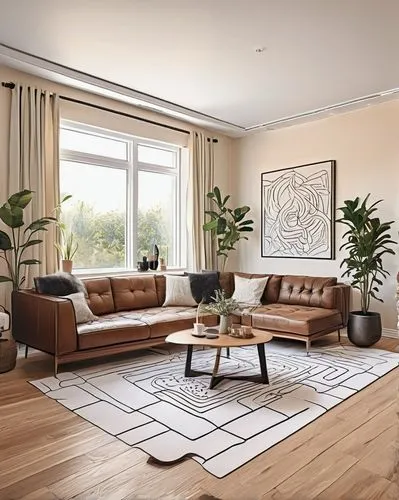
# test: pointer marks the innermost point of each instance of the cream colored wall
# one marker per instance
(365, 145)
(104, 119)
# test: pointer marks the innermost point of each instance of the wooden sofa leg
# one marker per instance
(308, 343)
(26, 351)
(339, 336)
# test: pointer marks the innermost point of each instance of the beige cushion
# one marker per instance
(82, 310)
(249, 291)
(178, 291)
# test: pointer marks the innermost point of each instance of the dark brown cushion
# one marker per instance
(226, 280)
(100, 295)
(307, 291)
(134, 292)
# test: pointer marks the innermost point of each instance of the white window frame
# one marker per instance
(132, 167)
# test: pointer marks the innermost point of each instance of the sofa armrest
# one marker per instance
(341, 298)
(44, 322)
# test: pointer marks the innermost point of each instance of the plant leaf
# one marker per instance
(12, 215)
(30, 262)
(209, 226)
(21, 199)
(31, 243)
(5, 242)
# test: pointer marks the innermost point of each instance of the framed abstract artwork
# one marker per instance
(298, 212)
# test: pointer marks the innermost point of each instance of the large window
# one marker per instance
(126, 197)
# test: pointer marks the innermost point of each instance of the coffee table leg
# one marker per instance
(187, 370)
(214, 378)
(262, 362)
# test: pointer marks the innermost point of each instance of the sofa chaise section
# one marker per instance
(307, 308)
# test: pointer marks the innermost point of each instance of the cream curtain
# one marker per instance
(34, 165)
(202, 247)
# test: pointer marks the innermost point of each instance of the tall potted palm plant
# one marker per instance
(367, 241)
(15, 241)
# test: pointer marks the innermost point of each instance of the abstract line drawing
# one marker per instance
(298, 206)
(148, 403)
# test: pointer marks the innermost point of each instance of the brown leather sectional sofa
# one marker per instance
(131, 316)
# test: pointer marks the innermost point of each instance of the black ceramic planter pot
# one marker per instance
(364, 330)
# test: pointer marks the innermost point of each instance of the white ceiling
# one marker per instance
(200, 54)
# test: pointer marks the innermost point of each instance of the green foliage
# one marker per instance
(153, 227)
(227, 225)
(368, 239)
(221, 305)
(14, 244)
(101, 238)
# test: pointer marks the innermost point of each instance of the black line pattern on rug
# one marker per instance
(149, 404)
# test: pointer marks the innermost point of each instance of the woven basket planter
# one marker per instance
(8, 355)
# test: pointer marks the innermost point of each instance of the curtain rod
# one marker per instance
(11, 85)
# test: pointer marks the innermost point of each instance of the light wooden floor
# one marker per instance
(47, 452)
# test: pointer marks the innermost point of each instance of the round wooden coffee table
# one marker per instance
(259, 339)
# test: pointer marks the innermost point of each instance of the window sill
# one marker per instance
(102, 273)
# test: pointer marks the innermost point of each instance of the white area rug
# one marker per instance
(149, 404)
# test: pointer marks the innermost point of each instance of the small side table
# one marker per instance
(8, 348)
(4, 320)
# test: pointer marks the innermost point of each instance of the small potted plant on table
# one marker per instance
(224, 307)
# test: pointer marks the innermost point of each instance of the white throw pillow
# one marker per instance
(178, 291)
(83, 313)
(249, 291)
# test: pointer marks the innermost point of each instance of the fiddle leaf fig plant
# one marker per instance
(228, 225)
(15, 242)
(368, 240)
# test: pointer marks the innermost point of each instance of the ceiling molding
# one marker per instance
(342, 107)
(58, 73)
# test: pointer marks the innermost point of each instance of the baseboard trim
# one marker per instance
(392, 333)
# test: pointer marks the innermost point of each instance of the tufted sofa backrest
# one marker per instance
(134, 292)
(108, 295)
(100, 297)
(307, 291)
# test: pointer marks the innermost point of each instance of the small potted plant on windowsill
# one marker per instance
(67, 247)
(67, 250)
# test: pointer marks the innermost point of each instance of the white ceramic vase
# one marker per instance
(223, 324)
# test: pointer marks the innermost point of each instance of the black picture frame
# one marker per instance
(298, 212)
